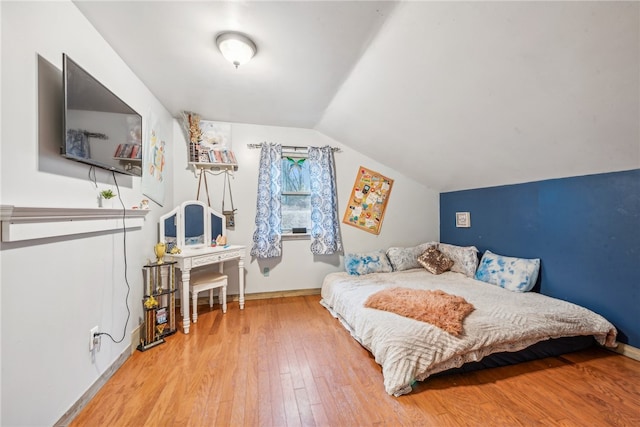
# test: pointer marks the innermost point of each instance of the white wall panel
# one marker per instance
(55, 290)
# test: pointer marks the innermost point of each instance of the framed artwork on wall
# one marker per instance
(154, 157)
(368, 201)
(215, 135)
(463, 219)
(209, 141)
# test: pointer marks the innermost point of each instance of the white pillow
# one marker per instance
(514, 274)
(406, 258)
(465, 258)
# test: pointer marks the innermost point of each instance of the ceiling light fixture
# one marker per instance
(236, 47)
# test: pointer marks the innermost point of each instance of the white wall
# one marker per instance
(0, 200)
(55, 290)
(412, 214)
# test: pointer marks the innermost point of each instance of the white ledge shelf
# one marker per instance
(216, 166)
(28, 223)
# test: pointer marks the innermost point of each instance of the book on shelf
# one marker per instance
(134, 151)
(126, 151)
(225, 156)
(232, 157)
(194, 151)
(204, 156)
(218, 156)
(118, 150)
(122, 152)
(212, 157)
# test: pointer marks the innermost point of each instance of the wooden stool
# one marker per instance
(208, 281)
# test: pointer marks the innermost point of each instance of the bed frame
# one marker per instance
(550, 348)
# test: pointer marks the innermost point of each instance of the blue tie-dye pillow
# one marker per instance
(365, 263)
(514, 274)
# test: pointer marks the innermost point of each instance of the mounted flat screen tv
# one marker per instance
(99, 128)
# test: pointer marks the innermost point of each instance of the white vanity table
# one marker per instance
(192, 227)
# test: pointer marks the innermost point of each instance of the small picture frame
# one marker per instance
(463, 219)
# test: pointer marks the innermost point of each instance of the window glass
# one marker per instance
(296, 196)
(295, 174)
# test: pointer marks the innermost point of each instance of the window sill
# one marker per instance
(296, 236)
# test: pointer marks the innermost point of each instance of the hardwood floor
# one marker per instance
(287, 362)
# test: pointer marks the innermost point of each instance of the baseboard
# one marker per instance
(75, 409)
(135, 338)
(278, 294)
(262, 295)
(627, 350)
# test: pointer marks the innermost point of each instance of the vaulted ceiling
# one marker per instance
(456, 95)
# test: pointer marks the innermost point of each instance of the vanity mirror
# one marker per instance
(192, 225)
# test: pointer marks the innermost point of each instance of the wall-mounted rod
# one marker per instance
(292, 147)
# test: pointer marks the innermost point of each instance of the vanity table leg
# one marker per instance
(241, 281)
(184, 301)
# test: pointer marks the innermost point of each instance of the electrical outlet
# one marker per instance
(93, 339)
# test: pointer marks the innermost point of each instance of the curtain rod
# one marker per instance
(292, 147)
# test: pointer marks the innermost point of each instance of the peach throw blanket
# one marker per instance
(439, 308)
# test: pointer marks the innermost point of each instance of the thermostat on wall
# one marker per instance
(463, 219)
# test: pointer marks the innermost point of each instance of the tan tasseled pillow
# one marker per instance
(434, 261)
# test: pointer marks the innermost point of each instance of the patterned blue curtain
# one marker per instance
(267, 239)
(325, 227)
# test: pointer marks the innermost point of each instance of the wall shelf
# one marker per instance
(128, 159)
(216, 166)
(27, 223)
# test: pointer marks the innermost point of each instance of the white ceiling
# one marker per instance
(305, 52)
(456, 95)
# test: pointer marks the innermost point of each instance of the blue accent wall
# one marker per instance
(585, 230)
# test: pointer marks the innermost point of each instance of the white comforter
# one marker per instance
(410, 350)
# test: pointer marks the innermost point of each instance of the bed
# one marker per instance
(410, 350)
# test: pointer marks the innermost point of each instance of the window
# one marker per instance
(285, 185)
(296, 192)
